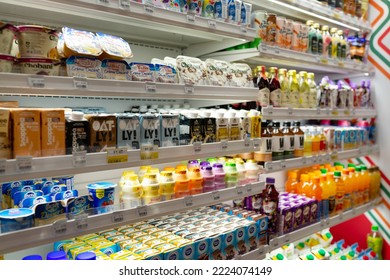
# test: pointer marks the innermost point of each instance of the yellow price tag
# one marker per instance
(347, 112)
(149, 151)
(117, 155)
(335, 113)
(324, 60)
(341, 63)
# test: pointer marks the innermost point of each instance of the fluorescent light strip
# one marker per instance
(302, 10)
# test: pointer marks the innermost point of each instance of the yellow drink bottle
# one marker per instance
(348, 189)
(331, 186)
(340, 187)
(292, 182)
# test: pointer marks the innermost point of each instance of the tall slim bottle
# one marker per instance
(293, 86)
(274, 87)
(304, 90)
(336, 46)
(263, 98)
(312, 46)
(299, 139)
(326, 42)
(270, 204)
(277, 142)
(284, 88)
(313, 95)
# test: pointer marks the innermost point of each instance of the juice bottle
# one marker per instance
(316, 192)
(284, 88)
(307, 146)
(374, 182)
(131, 191)
(348, 190)
(289, 139)
(299, 139)
(315, 142)
(343, 45)
(319, 38)
(293, 86)
(196, 180)
(304, 187)
(375, 241)
(208, 178)
(263, 98)
(355, 188)
(270, 205)
(255, 123)
(265, 152)
(277, 142)
(292, 182)
(304, 90)
(252, 171)
(312, 46)
(219, 176)
(331, 186)
(142, 171)
(192, 163)
(325, 193)
(274, 86)
(336, 45)
(241, 172)
(340, 191)
(366, 183)
(150, 189)
(181, 183)
(323, 141)
(167, 185)
(326, 42)
(231, 175)
(360, 184)
(313, 99)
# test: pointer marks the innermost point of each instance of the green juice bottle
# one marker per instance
(293, 86)
(284, 88)
(312, 46)
(304, 90)
(313, 99)
(375, 241)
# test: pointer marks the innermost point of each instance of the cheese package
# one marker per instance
(240, 75)
(113, 47)
(115, 70)
(79, 42)
(217, 72)
(86, 67)
(165, 74)
(191, 70)
(53, 132)
(26, 132)
(142, 72)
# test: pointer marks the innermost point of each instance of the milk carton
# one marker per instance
(103, 132)
(53, 132)
(170, 130)
(190, 128)
(128, 131)
(5, 134)
(77, 133)
(209, 127)
(150, 135)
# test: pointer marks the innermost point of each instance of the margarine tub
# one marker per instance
(39, 66)
(7, 34)
(103, 194)
(113, 47)
(37, 41)
(16, 218)
(78, 42)
(6, 63)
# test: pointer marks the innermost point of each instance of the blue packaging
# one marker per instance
(183, 6)
(195, 7)
(215, 244)
(59, 245)
(47, 212)
(232, 11)
(208, 8)
(78, 205)
(20, 196)
(228, 244)
(103, 194)
(53, 190)
(142, 72)
(66, 180)
(198, 250)
(65, 195)
(15, 219)
(30, 202)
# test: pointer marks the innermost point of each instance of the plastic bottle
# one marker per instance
(313, 99)
(289, 139)
(366, 183)
(315, 141)
(299, 139)
(196, 180)
(32, 258)
(86, 256)
(325, 194)
(313, 41)
(348, 202)
(375, 241)
(231, 175)
(241, 172)
(252, 171)
(316, 26)
(265, 152)
(270, 205)
(336, 45)
(131, 191)
(150, 189)
(323, 141)
(167, 185)
(181, 183)
(142, 171)
(293, 86)
(304, 187)
(274, 87)
(304, 90)
(307, 144)
(284, 88)
(340, 191)
(277, 142)
(316, 193)
(255, 123)
(343, 45)
(375, 178)
(219, 174)
(292, 182)
(331, 186)
(264, 88)
(326, 42)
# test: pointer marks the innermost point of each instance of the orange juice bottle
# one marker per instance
(181, 183)
(360, 184)
(340, 187)
(331, 186)
(316, 193)
(325, 194)
(196, 180)
(355, 189)
(366, 181)
(348, 189)
(292, 182)
(304, 187)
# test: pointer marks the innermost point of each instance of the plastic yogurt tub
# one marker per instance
(37, 41)
(16, 218)
(7, 34)
(6, 63)
(39, 66)
(103, 194)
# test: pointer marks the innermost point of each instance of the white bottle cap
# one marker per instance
(167, 106)
(77, 116)
(154, 106)
(176, 106)
(242, 114)
(193, 114)
(186, 106)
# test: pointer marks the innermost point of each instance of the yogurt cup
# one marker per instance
(39, 66)
(103, 194)
(37, 41)
(15, 219)
(6, 62)
(7, 34)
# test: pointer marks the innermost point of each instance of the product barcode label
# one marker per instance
(247, 142)
(125, 4)
(117, 155)
(191, 19)
(150, 87)
(23, 162)
(189, 89)
(286, 238)
(149, 151)
(256, 143)
(275, 242)
(79, 158)
(269, 166)
(318, 111)
(212, 24)
(283, 164)
(322, 223)
(188, 201)
(60, 226)
(215, 195)
(327, 222)
(36, 82)
(244, 30)
(341, 216)
(197, 146)
(249, 188)
(117, 217)
(224, 144)
(304, 160)
(261, 251)
(81, 222)
(80, 83)
(3, 165)
(142, 211)
(290, 111)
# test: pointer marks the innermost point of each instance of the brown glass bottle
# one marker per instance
(263, 84)
(277, 142)
(265, 152)
(299, 137)
(289, 139)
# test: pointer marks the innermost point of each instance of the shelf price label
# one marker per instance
(322, 223)
(334, 156)
(239, 191)
(23, 163)
(244, 30)
(150, 87)
(188, 201)
(197, 147)
(216, 195)
(341, 216)
(124, 4)
(36, 82)
(191, 19)
(283, 164)
(261, 251)
(60, 226)
(149, 10)
(142, 211)
(80, 83)
(103, 2)
(189, 89)
(212, 24)
(286, 238)
(269, 166)
(275, 242)
(149, 151)
(224, 144)
(247, 142)
(79, 158)
(117, 217)
(117, 155)
(256, 143)
(304, 160)
(81, 222)
(3, 165)
(290, 111)
(249, 188)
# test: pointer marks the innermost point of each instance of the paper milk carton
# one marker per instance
(103, 132)
(53, 132)
(170, 130)
(26, 132)
(150, 135)
(5, 134)
(128, 131)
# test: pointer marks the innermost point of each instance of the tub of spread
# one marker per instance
(6, 62)
(113, 47)
(7, 34)
(39, 66)
(103, 194)
(15, 219)
(37, 41)
(143, 72)
(79, 42)
(115, 70)
(81, 66)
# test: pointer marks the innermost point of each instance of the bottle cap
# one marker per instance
(270, 180)
(279, 257)
(351, 254)
(365, 258)
(32, 258)
(343, 258)
(309, 257)
(322, 252)
(351, 165)
(374, 228)
(286, 124)
(276, 124)
(86, 256)
(337, 173)
(77, 116)
(323, 171)
(56, 256)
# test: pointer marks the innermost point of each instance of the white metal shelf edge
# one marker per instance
(306, 231)
(13, 241)
(63, 165)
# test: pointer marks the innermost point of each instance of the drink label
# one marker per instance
(266, 145)
(263, 97)
(276, 97)
(313, 97)
(289, 144)
(299, 141)
(278, 144)
(294, 95)
(305, 99)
